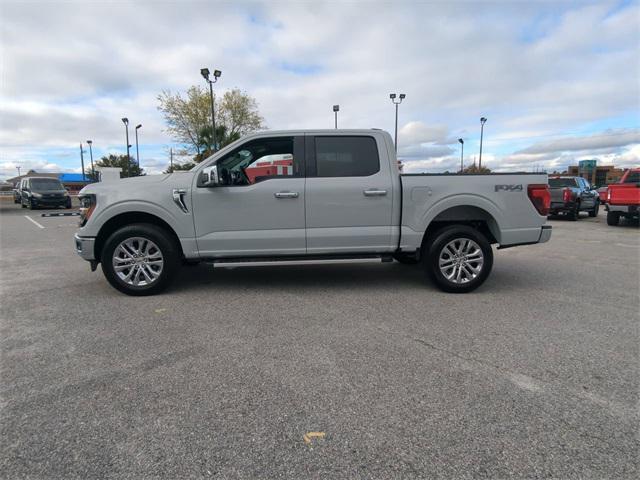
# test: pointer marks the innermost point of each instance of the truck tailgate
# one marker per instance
(624, 194)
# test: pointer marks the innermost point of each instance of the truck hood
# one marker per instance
(181, 179)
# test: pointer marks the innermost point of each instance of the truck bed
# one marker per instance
(501, 198)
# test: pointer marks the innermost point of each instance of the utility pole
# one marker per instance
(125, 120)
(171, 158)
(461, 154)
(216, 75)
(82, 161)
(18, 167)
(93, 170)
(336, 109)
(482, 121)
(401, 97)
(137, 151)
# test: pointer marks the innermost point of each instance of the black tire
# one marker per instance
(167, 246)
(405, 259)
(68, 205)
(22, 205)
(432, 251)
(574, 214)
(31, 205)
(594, 211)
(613, 218)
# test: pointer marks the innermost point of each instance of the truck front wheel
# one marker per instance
(459, 259)
(140, 259)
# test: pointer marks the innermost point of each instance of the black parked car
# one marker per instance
(43, 192)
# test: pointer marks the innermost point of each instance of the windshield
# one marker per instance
(46, 184)
(633, 177)
(562, 182)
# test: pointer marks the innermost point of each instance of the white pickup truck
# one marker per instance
(322, 194)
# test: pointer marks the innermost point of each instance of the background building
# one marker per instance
(71, 181)
(598, 175)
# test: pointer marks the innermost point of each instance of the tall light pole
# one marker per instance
(482, 122)
(461, 154)
(336, 109)
(18, 167)
(401, 97)
(137, 151)
(93, 170)
(82, 161)
(216, 75)
(125, 120)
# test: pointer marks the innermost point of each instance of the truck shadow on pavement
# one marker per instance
(333, 278)
(319, 277)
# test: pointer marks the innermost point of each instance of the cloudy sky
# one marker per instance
(558, 81)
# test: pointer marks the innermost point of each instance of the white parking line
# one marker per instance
(33, 221)
(625, 245)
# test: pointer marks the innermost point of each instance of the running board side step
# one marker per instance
(299, 258)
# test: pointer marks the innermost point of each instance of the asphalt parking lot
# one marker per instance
(536, 374)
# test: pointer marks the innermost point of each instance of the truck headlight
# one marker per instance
(36, 195)
(87, 206)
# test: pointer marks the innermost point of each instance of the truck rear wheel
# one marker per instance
(574, 213)
(459, 259)
(594, 212)
(140, 259)
(613, 218)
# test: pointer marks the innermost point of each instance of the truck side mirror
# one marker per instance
(209, 177)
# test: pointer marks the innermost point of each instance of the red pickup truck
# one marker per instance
(624, 197)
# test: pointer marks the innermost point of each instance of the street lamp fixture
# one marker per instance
(216, 75)
(461, 154)
(93, 170)
(482, 122)
(125, 120)
(336, 109)
(396, 100)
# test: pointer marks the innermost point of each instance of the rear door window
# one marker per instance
(562, 182)
(344, 156)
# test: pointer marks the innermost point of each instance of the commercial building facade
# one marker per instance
(597, 175)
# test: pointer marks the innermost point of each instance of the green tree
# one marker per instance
(177, 167)
(475, 169)
(120, 161)
(188, 118)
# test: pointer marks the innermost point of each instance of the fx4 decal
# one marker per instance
(508, 188)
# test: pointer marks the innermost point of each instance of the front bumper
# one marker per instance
(85, 246)
(49, 202)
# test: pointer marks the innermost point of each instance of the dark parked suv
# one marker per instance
(43, 192)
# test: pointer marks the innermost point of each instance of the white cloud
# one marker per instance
(598, 141)
(72, 70)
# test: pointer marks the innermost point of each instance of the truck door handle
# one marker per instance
(374, 193)
(286, 194)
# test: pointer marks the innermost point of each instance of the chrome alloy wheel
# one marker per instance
(461, 260)
(137, 261)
